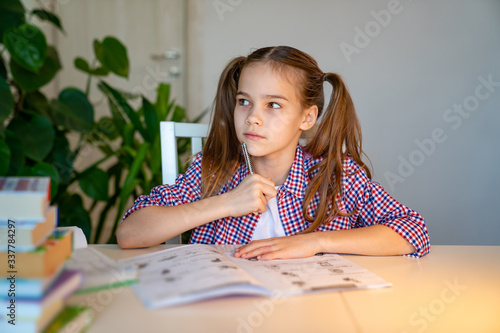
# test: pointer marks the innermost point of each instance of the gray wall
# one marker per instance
(419, 82)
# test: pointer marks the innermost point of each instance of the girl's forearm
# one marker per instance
(154, 225)
(371, 240)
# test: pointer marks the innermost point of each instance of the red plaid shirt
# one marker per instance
(372, 203)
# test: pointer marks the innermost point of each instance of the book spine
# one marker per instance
(24, 197)
(41, 262)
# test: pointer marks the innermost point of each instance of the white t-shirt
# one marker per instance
(269, 224)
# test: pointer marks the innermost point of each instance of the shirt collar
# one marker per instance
(296, 181)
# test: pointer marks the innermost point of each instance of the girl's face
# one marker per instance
(268, 115)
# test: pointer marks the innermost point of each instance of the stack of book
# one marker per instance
(33, 280)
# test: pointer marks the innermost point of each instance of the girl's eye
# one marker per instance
(243, 102)
(274, 105)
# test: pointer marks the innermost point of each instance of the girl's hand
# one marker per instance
(288, 247)
(251, 195)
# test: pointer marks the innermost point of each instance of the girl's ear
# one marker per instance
(310, 117)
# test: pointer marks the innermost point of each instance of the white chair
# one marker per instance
(169, 132)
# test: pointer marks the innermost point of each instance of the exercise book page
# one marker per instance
(320, 272)
(187, 273)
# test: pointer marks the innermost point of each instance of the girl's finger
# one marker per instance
(269, 191)
(255, 249)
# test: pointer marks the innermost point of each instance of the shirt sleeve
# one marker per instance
(187, 188)
(376, 206)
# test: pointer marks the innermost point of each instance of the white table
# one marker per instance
(453, 289)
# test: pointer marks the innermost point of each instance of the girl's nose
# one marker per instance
(254, 117)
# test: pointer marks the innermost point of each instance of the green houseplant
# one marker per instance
(35, 131)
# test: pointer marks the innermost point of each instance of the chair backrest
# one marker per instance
(169, 132)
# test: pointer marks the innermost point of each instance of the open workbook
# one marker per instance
(197, 272)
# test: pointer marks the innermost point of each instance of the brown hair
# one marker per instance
(338, 134)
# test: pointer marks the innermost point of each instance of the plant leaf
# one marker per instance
(72, 213)
(47, 170)
(106, 125)
(106, 150)
(162, 99)
(48, 16)
(79, 218)
(4, 157)
(169, 109)
(118, 117)
(104, 213)
(155, 161)
(128, 185)
(121, 103)
(61, 157)
(81, 64)
(112, 54)
(131, 181)
(94, 183)
(151, 119)
(14, 6)
(36, 135)
(84, 66)
(128, 136)
(100, 71)
(179, 114)
(11, 15)
(27, 46)
(37, 101)
(73, 110)
(17, 156)
(6, 100)
(29, 81)
(3, 69)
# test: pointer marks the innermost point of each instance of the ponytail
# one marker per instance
(338, 136)
(221, 153)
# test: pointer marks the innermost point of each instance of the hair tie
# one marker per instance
(324, 76)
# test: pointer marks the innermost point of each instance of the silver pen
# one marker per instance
(250, 169)
(247, 157)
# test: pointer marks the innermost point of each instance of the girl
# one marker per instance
(300, 200)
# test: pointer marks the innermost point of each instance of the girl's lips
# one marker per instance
(253, 136)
